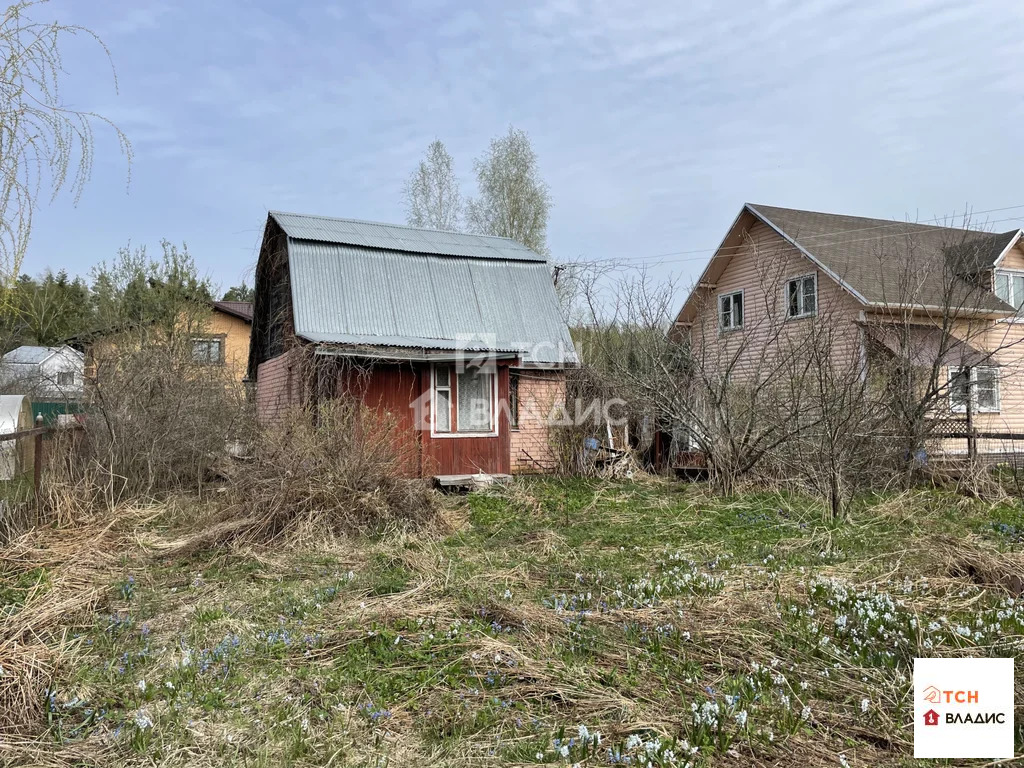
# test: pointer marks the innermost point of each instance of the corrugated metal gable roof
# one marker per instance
(393, 237)
(348, 294)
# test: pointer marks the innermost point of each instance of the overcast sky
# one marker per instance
(652, 126)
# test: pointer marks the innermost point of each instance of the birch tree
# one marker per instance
(432, 197)
(513, 200)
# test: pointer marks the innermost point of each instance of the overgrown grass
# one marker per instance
(555, 622)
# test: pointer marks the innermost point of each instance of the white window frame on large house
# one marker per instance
(733, 325)
(454, 423)
(801, 296)
(1014, 295)
(977, 407)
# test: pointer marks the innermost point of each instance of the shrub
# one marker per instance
(338, 469)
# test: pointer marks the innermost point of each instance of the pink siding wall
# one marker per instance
(761, 267)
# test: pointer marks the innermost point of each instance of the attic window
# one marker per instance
(730, 311)
(802, 296)
(1010, 287)
(65, 378)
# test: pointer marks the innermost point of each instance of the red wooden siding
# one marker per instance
(396, 390)
(464, 455)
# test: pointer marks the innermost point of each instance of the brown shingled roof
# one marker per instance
(240, 309)
(870, 256)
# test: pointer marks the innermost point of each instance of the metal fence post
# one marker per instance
(37, 463)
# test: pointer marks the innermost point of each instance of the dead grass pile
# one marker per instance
(340, 470)
(50, 583)
(968, 559)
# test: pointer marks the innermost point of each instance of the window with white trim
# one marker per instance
(464, 401)
(1010, 287)
(984, 388)
(442, 398)
(802, 296)
(730, 311)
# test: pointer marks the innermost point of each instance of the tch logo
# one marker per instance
(933, 695)
(963, 708)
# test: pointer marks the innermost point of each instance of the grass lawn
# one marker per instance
(555, 622)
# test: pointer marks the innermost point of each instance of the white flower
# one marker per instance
(508, 594)
(141, 685)
(564, 750)
(805, 713)
(741, 718)
(633, 742)
(864, 705)
(584, 734)
(539, 756)
(142, 719)
(169, 685)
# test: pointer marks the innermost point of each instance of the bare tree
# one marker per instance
(513, 200)
(432, 197)
(44, 143)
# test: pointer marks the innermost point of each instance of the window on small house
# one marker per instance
(470, 408)
(730, 311)
(802, 296)
(442, 399)
(473, 389)
(1010, 287)
(65, 378)
(513, 399)
(981, 383)
(208, 351)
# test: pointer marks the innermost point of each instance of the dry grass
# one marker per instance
(450, 628)
(345, 474)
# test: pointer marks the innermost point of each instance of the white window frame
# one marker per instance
(496, 427)
(732, 310)
(953, 370)
(800, 296)
(1017, 302)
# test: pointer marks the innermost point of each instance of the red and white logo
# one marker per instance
(972, 699)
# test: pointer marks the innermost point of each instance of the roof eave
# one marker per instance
(990, 312)
(1013, 241)
(701, 281)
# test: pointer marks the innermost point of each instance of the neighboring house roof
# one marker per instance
(926, 346)
(239, 309)
(880, 262)
(870, 256)
(358, 283)
(28, 355)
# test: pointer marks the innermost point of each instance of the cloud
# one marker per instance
(652, 126)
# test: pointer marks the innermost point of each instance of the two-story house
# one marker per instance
(920, 295)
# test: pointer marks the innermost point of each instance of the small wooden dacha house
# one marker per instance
(458, 337)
